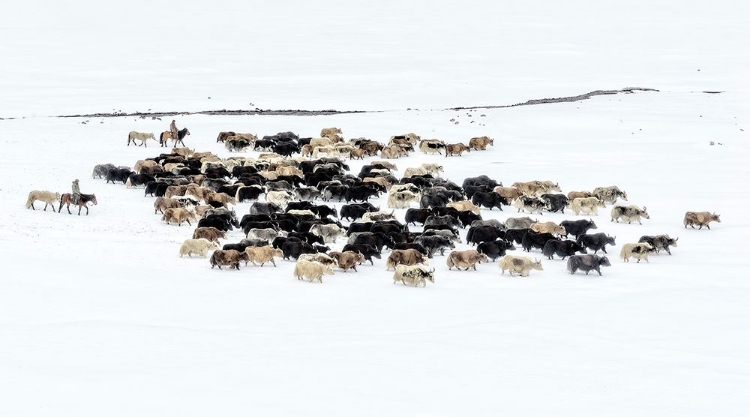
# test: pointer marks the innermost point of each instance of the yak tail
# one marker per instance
(30, 200)
(449, 262)
(128, 184)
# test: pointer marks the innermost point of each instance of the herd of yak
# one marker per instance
(294, 183)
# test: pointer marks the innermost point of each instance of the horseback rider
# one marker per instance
(76, 191)
(173, 129)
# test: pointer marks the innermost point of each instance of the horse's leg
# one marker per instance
(67, 206)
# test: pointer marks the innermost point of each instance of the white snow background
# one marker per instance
(99, 316)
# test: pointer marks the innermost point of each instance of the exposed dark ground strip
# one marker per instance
(629, 90)
(260, 112)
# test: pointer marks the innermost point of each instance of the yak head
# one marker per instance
(715, 217)
(537, 264)
(604, 261)
(644, 213)
(431, 275)
(482, 258)
(577, 247)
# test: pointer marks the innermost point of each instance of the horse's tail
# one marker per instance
(30, 200)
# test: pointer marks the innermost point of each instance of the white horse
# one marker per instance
(48, 197)
(143, 137)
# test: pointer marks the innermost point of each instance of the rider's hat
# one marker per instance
(76, 180)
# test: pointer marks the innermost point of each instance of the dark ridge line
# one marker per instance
(629, 90)
(260, 112)
(223, 112)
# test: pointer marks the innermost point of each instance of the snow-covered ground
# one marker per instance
(100, 316)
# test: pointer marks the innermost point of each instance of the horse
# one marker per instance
(165, 136)
(83, 201)
(133, 136)
(48, 197)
